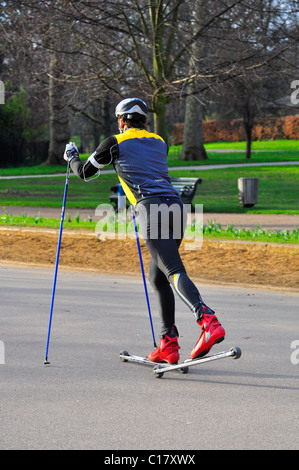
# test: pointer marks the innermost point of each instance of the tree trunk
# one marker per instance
(193, 148)
(248, 130)
(248, 120)
(159, 104)
(59, 118)
(159, 100)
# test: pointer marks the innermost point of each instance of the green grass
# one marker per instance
(41, 169)
(33, 170)
(211, 230)
(257, 234)
(218, 158)
(42, 222)
(214, 158)
(257, 145)
(234, 152)
(265, 151)
(278, 190)
(48, 192)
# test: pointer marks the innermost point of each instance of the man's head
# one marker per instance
(131, 112)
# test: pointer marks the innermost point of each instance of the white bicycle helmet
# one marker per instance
(131, 106)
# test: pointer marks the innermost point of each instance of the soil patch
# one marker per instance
(261, 264)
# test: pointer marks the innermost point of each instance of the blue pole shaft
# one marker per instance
(143, 275)
(57, 258)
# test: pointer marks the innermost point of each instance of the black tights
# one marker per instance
(163, 233)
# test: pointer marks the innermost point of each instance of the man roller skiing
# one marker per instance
(140, 161)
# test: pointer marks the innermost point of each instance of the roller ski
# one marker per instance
(165, 358)
(144, 361)
(126, 357)
(160, 369)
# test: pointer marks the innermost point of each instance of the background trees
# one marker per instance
(187, 59)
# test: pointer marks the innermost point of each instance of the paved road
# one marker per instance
(88, 399)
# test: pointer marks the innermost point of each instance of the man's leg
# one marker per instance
(166, 257)
(164, 295)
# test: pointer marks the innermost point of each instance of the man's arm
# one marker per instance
(105, 154)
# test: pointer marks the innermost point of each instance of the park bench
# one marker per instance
(186, 188)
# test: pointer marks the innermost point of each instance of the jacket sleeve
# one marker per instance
(105, 154)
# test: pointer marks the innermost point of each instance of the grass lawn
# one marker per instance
(278, 186)
(48, 192)
(257, 145)
(210, 230)
(278, 190)
(270, 151)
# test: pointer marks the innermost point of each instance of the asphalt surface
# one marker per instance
(88, 399)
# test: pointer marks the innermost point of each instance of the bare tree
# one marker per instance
(109, 49)
(268, 56)
(59, 114)
(156, 41)
(145, 46)
(193, 142)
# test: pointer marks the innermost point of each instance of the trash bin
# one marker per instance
(248, 191)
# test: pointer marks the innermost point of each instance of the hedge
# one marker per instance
(233, 131)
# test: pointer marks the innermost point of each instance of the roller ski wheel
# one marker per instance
(237, 353)
(122, 355)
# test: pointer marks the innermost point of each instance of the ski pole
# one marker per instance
(143, 275)
(57, 260)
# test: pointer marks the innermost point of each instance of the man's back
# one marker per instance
(142, 164)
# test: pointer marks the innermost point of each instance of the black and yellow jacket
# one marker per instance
(139, 159)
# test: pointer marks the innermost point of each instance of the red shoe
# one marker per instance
(168, 349)
(211, 333)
